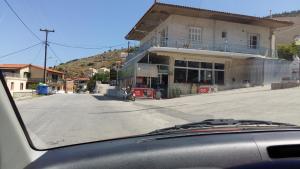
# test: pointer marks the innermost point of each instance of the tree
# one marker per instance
(288, 51)
(103, 77)
(91, 85)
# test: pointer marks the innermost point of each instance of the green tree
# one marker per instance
(288, 51)
(91, 85)
(103, 77)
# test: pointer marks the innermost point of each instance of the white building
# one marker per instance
(183, 47)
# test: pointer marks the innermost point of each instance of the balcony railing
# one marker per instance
(49, 80)
(9, 74)
(220, 47)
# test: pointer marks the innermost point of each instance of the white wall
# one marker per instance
(17, 83)
(178, 28)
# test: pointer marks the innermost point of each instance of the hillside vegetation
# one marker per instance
(80, 67)
(287, 14)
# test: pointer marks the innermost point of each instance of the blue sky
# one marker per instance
(95, 23)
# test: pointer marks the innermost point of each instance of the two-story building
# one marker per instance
(20, 77)
(184, 48)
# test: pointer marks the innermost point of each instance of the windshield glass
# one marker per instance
(92, 71)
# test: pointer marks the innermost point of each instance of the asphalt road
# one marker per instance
(59, 120)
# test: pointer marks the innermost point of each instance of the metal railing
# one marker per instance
(205, 45)
(9, 74)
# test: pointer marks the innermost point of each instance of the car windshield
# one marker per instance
(82, 72)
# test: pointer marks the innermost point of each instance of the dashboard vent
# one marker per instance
(286, 151)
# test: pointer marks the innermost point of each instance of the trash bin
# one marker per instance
(158, 94)
(42, 89)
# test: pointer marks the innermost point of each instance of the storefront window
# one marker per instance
(219, 77)
(180, 75)
(193, 76)
(205, 65)
(206, 77)
(204, 73)
(180, 63)
(219, 66)
(193, 64)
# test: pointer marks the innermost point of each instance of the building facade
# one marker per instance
(183, 48)
(21, 77)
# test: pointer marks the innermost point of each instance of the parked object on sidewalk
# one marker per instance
(158, 94)
(204, 90)
(144, 93)
(42, 89)
(128, 94)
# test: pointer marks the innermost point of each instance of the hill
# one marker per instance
(286, 35)
(287, 14)
(80, 67)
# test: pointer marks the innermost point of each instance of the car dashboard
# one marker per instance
(207, 151)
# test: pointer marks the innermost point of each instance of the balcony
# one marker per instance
(209, 46)
(9, 74)
(49, 80)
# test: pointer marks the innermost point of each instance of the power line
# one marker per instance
(37, 55)
(83, 47)
(53, 52)
(19, 51)
(15, 13)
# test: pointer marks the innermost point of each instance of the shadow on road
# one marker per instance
(146, 108)
(106, 98)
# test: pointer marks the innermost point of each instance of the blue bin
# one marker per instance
(42, 89)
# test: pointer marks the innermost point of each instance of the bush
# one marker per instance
(288, 51)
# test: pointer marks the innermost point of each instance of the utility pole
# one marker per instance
(46, 45)
(128, 47)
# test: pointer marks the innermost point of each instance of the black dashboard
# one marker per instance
(208, 151)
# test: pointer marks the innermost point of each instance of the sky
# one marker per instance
(100, 24)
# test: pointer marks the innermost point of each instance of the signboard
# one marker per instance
(143, 93)
(147, 70)
(203, 90)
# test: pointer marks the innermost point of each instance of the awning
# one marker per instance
(147, 70)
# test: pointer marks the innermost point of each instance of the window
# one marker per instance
(193, 76)
(164, 38)
(219, 77)
(180, 63)
(206, 65)
(206, 77)
(195, 34)
(27, 75)
(21, 86)
(253, 41)
(224, 35)
(12, 86)
(180, 75)
(219, 66)
(193, 64)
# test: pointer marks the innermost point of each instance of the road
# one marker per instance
(59, 120)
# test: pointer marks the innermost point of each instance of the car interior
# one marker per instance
(259, 149)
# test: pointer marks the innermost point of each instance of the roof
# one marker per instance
(81, 79)
(160, 12)
(48, 69)
(20, 66)
(13, 66)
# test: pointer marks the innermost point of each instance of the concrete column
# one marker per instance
(171, 74)
(273, 45)
(214, 33)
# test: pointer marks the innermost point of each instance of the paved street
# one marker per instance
(69, 119)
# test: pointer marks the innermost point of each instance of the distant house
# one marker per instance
(70, 86)
(20, 77)
(92, 72)
(80, 83)
(290, 34)
(16, 76)
(104, 70)
(183, 47)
